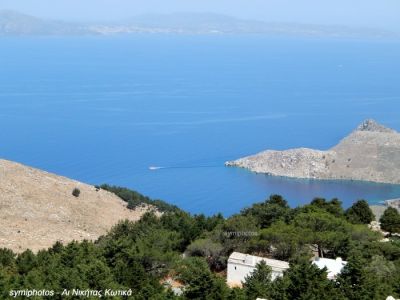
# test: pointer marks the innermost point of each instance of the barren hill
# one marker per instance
(37, 209)
(369, 153)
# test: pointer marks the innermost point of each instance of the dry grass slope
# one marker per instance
(37, 209)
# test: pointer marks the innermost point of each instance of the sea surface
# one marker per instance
(103, 110)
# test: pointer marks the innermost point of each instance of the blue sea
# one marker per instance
(102, 110)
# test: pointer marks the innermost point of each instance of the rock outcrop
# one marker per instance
(369, 153)
(37, 209)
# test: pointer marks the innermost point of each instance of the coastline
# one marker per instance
(312, 179)
(370, 153)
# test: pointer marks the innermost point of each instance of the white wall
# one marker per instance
(237, 273)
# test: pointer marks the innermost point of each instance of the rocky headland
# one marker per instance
(369, 153)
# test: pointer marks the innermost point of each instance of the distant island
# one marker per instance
(18, 24)
(369, 153)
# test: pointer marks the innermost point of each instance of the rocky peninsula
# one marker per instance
(370, 153)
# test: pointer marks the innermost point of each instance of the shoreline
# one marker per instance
(369, 153)
(231, 164)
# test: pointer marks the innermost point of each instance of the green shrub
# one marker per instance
(76, 192)
(132, 204)
(360, 213)
(390, 220)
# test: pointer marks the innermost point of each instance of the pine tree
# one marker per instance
(308, 282)
(360, 213)
(390, 220)
(258, 283)
(3, 284)
(361, 281)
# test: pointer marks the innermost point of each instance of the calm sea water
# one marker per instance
(102, 110)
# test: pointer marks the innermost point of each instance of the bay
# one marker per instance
(105, 109)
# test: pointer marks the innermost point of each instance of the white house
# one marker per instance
(242, 265)
(334, 266)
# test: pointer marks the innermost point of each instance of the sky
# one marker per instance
(355, 13)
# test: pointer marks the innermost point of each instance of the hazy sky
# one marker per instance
(365, 13)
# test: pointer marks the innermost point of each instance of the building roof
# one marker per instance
(333, 266)
(252, 261)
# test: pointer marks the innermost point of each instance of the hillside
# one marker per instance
(369, 153)
(37, 209)
(18, 24)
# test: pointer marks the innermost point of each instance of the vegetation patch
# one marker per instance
(193, 250)
(135, 199)
(76, 192)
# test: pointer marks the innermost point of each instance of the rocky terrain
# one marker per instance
(37, 209)
(378, 210)
(369, 153)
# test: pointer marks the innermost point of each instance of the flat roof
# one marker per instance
(251, 260)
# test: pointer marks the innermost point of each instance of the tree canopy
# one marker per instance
(360, 213)
(390, 220)
(193, 251)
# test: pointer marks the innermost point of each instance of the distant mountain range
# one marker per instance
(14, 23)
(18, 24)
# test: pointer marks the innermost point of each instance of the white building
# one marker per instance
(334, 266)
(242, 265)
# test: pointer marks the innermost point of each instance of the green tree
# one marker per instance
(360, 213)
(137, 198)
(200, 282)
(358, 280)
(272, 210)
(390, 220)
(381, 268)
(237, 294)
(258, 283)
(7, 258)
(334, 206)
(208, 223)
(183, 223)
(26, 261)
(4, 284)
(282, 241)
(329, 233)
(235, 233)
(210, 250)
(306, 281)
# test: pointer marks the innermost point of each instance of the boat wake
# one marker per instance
(154, 168)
